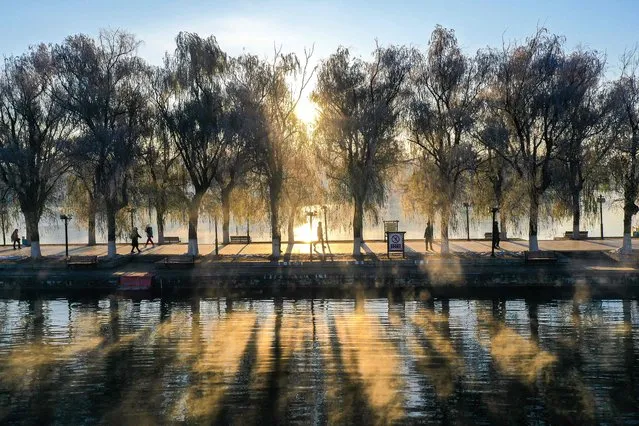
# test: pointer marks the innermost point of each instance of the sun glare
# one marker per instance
(306, 110)
(302, 233)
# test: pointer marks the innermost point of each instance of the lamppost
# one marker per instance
(311, 215)
(494, 210)
(467, 222)
(3, 214)
(601, 200)
(132, 211)
(324, 208)
(66, 219)
(216, 249)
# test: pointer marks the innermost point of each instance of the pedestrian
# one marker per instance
(149, 236)
(320, 237)
(428, 236)
(496, 234)
(15, 238)
(134, 240)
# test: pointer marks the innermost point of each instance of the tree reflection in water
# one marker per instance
(338, 361)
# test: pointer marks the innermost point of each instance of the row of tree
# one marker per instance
(86, 119)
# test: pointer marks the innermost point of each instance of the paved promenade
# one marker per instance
(341, 248)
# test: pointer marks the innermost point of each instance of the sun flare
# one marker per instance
(306, 111)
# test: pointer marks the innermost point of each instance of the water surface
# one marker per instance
(337, 361)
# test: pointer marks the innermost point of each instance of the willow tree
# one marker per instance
(357, 130)
(533, 91)
(193, 103)
(272, 91)
(33, 132)
(624, 165)
(101, 84)
(446, 87)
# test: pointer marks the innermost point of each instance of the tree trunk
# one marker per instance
(291, 227)
(443, 232)
(32, 220)
(111, 247)
(576, 214)
(159, 217)
(533, 220)
(4, 229)
(226, 214)
(194, 215)
(358, 227)
(503, 220)
(276, 236)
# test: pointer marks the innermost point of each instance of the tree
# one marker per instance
(446, 87)
(193, 103)
(357, 131)
(271, 93)
(624, 165)
(585, 145)
(102, 86)
(33, 134)
(533, 92)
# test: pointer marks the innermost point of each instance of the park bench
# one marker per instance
(240, 239)
(540, 256)
(390, 226)
(171, 240)
(91, 261)
(583, 235)
(184, 260)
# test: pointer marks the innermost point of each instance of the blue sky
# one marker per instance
(608, 26)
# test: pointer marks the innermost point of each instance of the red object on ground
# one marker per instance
(136, 281)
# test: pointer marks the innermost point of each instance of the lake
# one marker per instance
(318, 361)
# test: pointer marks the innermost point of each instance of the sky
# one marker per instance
(256, 27)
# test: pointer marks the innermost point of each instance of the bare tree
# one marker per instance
(273, 90)
(33, 132)
(101, 85)
(194, 105)
(446, 88)
(357, 131)
(624, 164)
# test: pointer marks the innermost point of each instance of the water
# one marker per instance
(337, 361)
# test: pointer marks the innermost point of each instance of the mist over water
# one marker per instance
(337, 361)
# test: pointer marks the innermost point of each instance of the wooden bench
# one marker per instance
(171, 240)
(390, 226)
(91, 261)
(503, 236)
(240, 239)
(540, 256)
(184, 260)
(583, 235)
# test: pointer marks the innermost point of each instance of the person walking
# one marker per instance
(320, 238)
(135, 236)
(15, 238)
(149, 236)
(496, 235)
(428, 236)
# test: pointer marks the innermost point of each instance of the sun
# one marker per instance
(303, 233)
(306, 111)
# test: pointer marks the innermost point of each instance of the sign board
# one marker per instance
(395, 242)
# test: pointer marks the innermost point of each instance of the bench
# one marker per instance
(540, 256)
(390, 226)
(503, 236)
(91, 261)
(240, 239)
(171, 240)
(583, 235)
(184, 260)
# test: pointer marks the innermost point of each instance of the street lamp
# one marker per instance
(467, 222)
(494, 210)
(311, 215)
(325, 224)
(66, 219)
(601, 200)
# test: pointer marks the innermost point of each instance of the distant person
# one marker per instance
(149, 236)
(320, 237)
(428, 236)
(135, 236)
(496, 235)
(15, 238)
